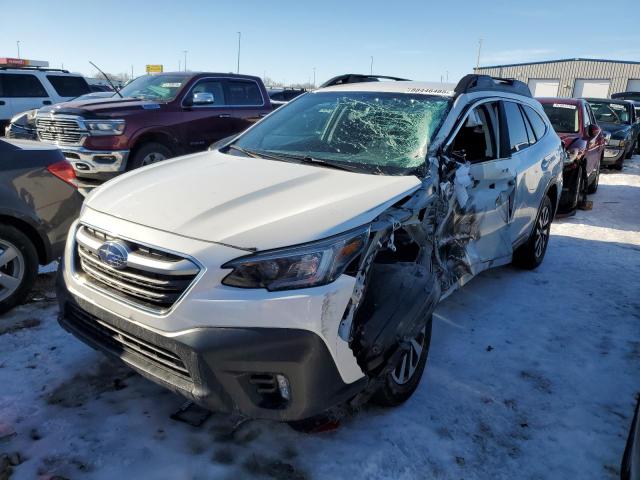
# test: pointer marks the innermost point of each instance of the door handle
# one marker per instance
(2, 102)
(224, 115)
(46, 102)
(546, 160)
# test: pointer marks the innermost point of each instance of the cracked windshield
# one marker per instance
(385, 133)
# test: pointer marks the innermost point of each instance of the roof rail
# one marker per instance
(358, 78)
(39, 69)
(476, 83)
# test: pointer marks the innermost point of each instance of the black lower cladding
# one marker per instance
(569, 185)
(223, 369)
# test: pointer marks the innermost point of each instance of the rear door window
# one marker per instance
(20, 85)
(243, 93)
(537, 123)
(518, 137)
(68, 86)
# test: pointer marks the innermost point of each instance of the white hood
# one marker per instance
(246, 202)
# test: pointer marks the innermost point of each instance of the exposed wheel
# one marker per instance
(531, 254)
(148, 154)
(403, 380)
(593, 187)
(18, 266)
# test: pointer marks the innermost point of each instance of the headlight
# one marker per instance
(572, 154)
(30, 115)
(302, 266)
(616, 143)
(105, 127)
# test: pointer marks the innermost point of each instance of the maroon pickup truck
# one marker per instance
(152, 118)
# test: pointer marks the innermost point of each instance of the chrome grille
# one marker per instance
(66, 131)
(151, 279)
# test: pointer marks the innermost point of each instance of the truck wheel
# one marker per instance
(593, 188)
(149, 153)
(403, 380)
(531, 254)
(18, 267)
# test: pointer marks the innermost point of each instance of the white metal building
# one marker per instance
(574, 77)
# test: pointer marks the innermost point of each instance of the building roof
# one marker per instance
(559, 61)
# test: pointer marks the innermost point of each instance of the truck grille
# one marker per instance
(119, 339)
(149, 278)
(64, 131)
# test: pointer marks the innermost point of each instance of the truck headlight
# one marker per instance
(105, 127)
(302, 266)
(616, 143)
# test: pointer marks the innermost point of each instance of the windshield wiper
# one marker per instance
(314, 161)
(248, 153)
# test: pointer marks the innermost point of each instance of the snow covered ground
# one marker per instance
(531, 375)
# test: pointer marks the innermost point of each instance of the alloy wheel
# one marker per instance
(12, 269)
(543, 229)
(153, 157)
(410, 360)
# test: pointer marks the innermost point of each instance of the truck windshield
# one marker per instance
(610, 112)
(374, 132)
(162, 88)
(563, 117)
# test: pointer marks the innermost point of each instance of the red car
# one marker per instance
(152, 118)
(584, 143)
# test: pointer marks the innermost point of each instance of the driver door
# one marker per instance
(204, 124)
(485, 218)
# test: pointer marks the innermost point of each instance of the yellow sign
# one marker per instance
(154, 69)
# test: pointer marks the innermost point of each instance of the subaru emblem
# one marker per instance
(114, 254)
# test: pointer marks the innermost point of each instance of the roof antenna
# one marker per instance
(108, 79)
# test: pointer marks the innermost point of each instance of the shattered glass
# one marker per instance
(378, 132)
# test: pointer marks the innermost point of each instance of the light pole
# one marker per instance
(239, 39)
(185, 59)
(314, 77)
(371, 68)
(18, 44)
(479, 52)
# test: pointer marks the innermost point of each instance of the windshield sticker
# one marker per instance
(564, 105)
(615, 106)
(171, 85)
(430, 91)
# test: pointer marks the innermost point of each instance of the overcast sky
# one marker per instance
(417, 39)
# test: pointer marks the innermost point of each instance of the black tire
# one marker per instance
(579, 194)
(147, 154)
(531, 254)
(23, 268)
(395, 391)
(618, 165)
(593, 186)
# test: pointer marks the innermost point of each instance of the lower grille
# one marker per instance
(149, 278)
(116, 338)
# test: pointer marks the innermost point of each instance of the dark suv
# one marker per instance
(584, 142)
(152, 118)
(619, 121)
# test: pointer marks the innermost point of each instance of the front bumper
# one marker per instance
(96, 164)
(220, 368)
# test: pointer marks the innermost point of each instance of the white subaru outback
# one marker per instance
(296, 268)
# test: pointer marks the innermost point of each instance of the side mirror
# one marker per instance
(203, 98)
(593, 130)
